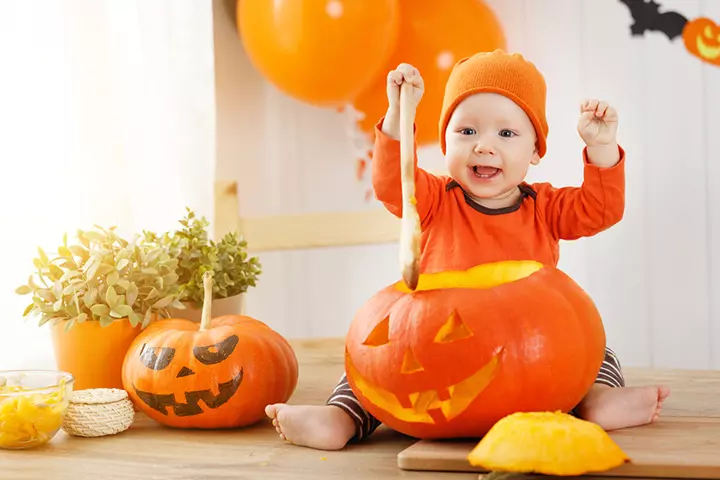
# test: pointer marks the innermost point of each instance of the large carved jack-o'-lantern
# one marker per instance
(218, 374)
(467, 348)
(448, 354)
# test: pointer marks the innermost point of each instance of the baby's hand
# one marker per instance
(404, 73)
(598, 123)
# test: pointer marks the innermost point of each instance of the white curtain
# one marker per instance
(106, 117)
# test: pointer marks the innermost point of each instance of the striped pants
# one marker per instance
(342, 396)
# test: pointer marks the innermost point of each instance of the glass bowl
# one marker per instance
(32, 406)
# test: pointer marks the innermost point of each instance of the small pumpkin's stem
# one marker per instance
(207, 301)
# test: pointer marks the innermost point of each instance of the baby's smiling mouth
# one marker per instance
(481, 171)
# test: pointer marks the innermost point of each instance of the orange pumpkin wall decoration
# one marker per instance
(217, 374)
(467, 348)
(702, 38)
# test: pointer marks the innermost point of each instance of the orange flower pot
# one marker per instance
(93, 354)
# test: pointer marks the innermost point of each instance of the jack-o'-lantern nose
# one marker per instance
(184, 372)
(410, 363)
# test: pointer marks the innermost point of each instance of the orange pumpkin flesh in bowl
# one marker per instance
(217, 374)
(467, 348)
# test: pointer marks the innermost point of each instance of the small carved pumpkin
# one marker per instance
(547, 443)
(467, 348)
(702, 39)
(218, 374)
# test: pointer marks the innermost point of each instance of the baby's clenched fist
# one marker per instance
(598, 123)
(404, 73)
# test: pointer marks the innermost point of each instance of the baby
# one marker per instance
(492, 128)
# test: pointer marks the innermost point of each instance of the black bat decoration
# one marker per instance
(648, 18)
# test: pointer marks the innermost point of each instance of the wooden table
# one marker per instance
(149, 451)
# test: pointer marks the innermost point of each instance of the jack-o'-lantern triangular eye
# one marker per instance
(453, 329)
(379, 334)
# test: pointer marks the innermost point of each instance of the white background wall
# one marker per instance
(655, 276)
(106, 117)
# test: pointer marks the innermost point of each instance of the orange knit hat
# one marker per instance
(503, 73)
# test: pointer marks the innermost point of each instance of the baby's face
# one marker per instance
(490, 144)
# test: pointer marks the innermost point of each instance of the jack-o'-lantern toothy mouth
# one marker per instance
(431, 406)
(161, 402)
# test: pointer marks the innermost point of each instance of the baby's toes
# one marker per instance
(271, 411)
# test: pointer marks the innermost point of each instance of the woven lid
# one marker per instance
(98, 395)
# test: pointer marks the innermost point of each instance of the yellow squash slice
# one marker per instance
(547, 443)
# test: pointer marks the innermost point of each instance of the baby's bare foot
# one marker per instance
(615, 408)
(323, 427)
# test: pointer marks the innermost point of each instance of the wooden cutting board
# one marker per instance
(674, 447)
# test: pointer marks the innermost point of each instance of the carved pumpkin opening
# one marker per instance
(454, 329)
(410, 363)
(379, 334)
(483, 276)
(429, 406)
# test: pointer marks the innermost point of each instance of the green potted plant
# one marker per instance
(233, 270)
(97, 294)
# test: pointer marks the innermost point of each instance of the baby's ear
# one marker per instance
(536, 157)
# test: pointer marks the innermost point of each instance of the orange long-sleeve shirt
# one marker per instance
(457, 233)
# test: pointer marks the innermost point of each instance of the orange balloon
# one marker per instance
(323, 52)
(434, 35)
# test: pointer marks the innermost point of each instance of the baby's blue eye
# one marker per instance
(467, 131)
(507, 133)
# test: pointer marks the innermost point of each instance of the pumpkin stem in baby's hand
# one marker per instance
(410, 224)
(207, 301)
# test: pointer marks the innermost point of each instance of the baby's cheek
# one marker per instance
(516, 173)
(455, 164)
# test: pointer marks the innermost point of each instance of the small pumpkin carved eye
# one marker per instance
(453, 329)
(156, 358)
(708, 32)
(212, 354)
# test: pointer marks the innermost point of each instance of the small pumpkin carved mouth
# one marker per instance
(161, 402)
(430, 406)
